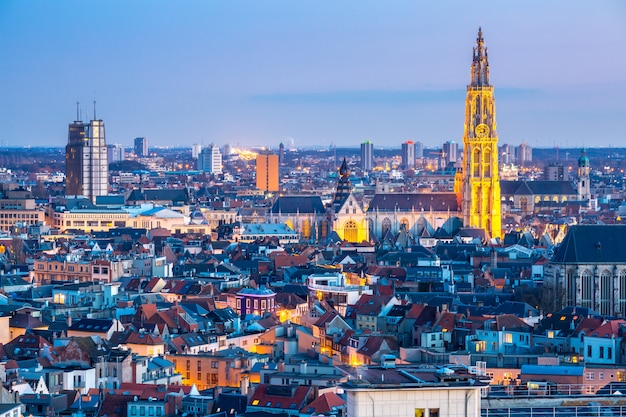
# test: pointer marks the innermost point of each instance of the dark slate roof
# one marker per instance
(92, 325)
(590, 244)
(412, 201)
(298, 204)
(173, 195)
(536, 187)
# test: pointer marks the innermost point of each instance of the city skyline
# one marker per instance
(257, 74)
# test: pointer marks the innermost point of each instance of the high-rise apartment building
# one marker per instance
(408, 155)
(86, 160)
(196, 148)
(267, 169)
(555, 171)
(478, 184)
(419, 150)
(523, 154)
(367, 155)
(507, 153)
(141, 147)
(450, 153)
(115, 153)
(210, 160)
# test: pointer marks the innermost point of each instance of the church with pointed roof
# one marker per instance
(348, 215)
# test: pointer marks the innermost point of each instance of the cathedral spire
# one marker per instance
(480, 63)
(478, 183)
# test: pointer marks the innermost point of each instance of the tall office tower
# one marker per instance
(555, 171)
(210, 160)
(86, 159)
(281, 154)
(450, 153)
(76, 141)
(507, 153)
(478, 183)
(141, 147)
(523, 154)
(96, 164)
(408, 155)
(584, 184)
(367, 155)
(419, 150)
(267, 172)
(196, 148)
(115, 153)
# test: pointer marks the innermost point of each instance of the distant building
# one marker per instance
(523, 154)
(281, 154)
(507, 154)
(555, 171)
(419, 150)
(408, 155)
(228, 151)
(141, 147)
(367, 155)
(115, 153)
(196, 148)
(267, 169)
(210, 160)
(86, 160)
(450, 153)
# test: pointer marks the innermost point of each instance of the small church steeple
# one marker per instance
(344, 186)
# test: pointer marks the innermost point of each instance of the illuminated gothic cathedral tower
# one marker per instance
(478, 184)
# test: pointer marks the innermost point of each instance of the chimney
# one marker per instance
(69, 320)
(244, 385)
(303, 367)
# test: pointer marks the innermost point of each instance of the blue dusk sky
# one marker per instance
(310, 73)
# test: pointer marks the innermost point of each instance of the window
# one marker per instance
(433, 412)
(214, 364)
(419, 412)
(609, 353)
(133, 410)
(590, 376)
(601, 352)
(589, 351)
(601, 376)
(142, 410)
(199, 366)
(508, 338)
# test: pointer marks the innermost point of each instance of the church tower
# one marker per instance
(478, 183)
(583, 185)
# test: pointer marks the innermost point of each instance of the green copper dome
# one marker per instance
(583, 161)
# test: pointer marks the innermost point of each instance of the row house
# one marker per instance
(74, 268)
(208, 370)
(504, 334)
(370, 311)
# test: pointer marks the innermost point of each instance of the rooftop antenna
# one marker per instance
(94, 110)
(77, 111)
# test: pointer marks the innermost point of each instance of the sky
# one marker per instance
(310, 73)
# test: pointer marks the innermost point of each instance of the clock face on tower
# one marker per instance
(482, 130)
